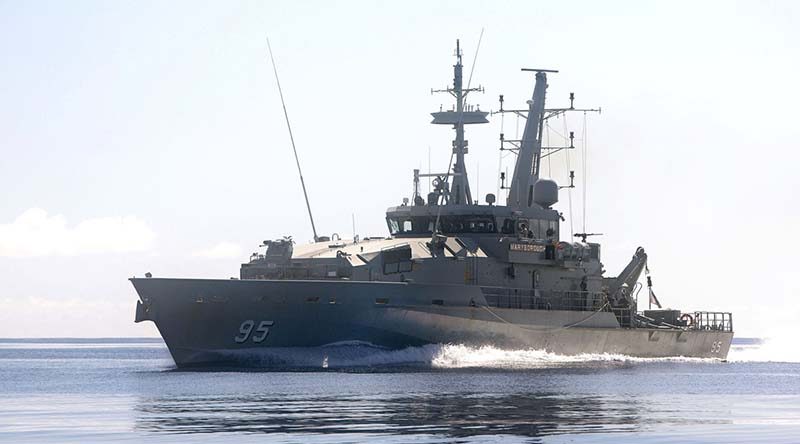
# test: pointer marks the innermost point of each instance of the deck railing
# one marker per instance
(500, 297)
(712, 320)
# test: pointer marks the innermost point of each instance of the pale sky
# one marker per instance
(148, 136)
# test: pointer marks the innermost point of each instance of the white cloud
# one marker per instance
(35, 233)
(71, 317)
(223, 250)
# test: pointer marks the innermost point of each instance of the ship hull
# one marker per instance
(207, 322)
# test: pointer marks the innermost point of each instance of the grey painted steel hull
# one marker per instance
(204, 321)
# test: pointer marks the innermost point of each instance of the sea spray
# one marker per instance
(437, 356)
(781, 347)
(462, 356)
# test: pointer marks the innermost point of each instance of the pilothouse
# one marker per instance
(450, 209)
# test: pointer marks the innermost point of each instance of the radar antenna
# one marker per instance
(291, 137)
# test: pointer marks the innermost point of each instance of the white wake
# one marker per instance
(455, 356)
(780, 348)
(462, 356)
(442, 356)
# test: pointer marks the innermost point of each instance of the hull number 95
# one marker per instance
(257, 334)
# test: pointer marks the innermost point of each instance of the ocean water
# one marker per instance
(101, 390)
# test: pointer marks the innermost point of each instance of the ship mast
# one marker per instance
(526, 170)
(460, 193)
(529, 148)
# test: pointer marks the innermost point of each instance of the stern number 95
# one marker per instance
(258, 334)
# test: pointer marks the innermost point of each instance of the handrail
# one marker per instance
(502, 297)
(698, 320)
(712, 320)
(532, 299)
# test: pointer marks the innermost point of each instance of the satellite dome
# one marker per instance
(545, 192)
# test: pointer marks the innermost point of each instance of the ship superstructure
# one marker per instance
(452, 270)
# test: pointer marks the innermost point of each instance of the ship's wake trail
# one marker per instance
(776, 348)
(461, 356)
(436, 356)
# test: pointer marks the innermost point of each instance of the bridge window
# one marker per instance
(508, 226)
(552, 230)
(424, 225)
(411, 225)
(538, 228)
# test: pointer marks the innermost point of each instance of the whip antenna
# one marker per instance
(474, 59)
(291, 137)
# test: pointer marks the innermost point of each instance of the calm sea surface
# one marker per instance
(83, 390)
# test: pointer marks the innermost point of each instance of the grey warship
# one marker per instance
(451, 271)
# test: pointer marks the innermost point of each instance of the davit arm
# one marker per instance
(620, 292)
